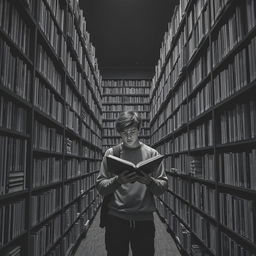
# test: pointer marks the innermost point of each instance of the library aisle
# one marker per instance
(93, 244)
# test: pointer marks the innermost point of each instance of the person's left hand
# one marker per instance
(144, 178)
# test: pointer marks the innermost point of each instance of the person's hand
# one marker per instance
(144, 178)
(126, 177)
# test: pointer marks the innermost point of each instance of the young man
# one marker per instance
(130, 210)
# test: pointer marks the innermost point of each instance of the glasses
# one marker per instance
(129, 133)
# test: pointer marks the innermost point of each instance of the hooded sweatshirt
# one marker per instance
(132, 201)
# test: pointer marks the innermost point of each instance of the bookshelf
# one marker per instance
(50, 127)
(123, 95)
(202, 118)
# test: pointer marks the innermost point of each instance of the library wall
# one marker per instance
(50, 127)
(203, 119)
(123, 95)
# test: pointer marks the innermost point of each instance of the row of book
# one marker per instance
(251, 17)
(135, 100)
(230, 246)
(57, 11)
(252, 59)
(179, 96)
(125, 90)
(125, 84)
(199, 166)
(112, 108)
(198, 26)
(238, 123)
(74, 168)
(79, 43)
(204, 230)
(232, 78)
(72, 120)
(238, 168)
(88, 184)
(181, 233)
(216, 8)
(72, 99)
(201, 135)
(48, 69)
(45, 204)
(46, 101)
(72, 146)
(12, 220)
(238, 214)
(199, 71)
(45, 237)
(179, 186)
(231, 33)
(46, 170)
(173, 26)
(13, 164)
(15, 73)
(13, 116)
(190, 245)
(92, 135)
(203, 197)
(14, 25)
(48, 26)
(47, 138)
(201, 102)
(70, 215)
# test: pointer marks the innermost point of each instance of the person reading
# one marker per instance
(129, 216)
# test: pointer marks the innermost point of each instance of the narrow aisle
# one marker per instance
(93, 244)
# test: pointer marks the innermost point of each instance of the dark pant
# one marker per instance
(119, 233)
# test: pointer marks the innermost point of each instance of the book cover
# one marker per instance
(118, 165)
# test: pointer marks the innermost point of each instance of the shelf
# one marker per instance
(14, 195)
(48, 118)
(238, 237)
(15, 48)
(46, 152)
(14, 133)
(15, 97)
(236, 190)
(248, 142)
(45, 187)
(12, 242)
(43, 222)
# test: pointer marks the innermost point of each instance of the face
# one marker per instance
(130, 136)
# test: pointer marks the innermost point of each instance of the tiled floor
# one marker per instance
(93, 244)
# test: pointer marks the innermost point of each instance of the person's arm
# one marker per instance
(158, 182)
(106, 182)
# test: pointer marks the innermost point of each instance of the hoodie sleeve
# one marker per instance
(106, 182)
(159, 180)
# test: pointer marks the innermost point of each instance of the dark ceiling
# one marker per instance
(127, 34)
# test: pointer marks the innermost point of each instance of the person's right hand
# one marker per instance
(126, 177)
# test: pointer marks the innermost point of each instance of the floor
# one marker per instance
(93, 244)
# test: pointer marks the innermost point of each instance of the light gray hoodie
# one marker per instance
(132, 201)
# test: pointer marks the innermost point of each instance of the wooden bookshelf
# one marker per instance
(121, 95)
(50, 127)
(203, 118)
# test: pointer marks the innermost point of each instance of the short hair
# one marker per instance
(127, 119)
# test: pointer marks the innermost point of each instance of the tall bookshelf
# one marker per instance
(50, 127)
(203, 119)
(123, 95)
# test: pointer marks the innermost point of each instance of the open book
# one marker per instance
(118, 165)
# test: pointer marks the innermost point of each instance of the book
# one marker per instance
(118, 165)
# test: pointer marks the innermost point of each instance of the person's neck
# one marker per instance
(133, 146)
